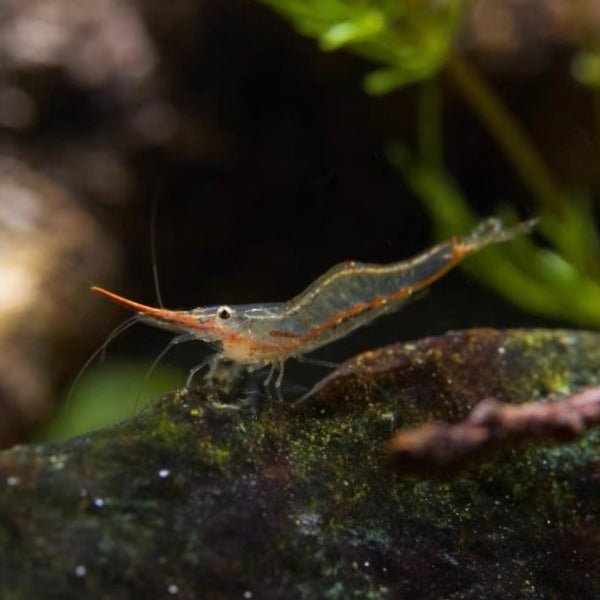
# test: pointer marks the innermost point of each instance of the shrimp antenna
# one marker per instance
(117, 331)
(184, 337)
(153, 219)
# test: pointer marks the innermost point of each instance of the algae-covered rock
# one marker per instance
(194, 498)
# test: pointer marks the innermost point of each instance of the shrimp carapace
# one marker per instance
(348, 296)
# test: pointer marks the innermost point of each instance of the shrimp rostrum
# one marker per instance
(346, 297)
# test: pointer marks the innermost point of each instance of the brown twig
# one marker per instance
(442, 449)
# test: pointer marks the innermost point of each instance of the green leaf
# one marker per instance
(383, 81)
(362, 27)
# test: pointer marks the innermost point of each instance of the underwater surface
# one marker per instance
(201, 496)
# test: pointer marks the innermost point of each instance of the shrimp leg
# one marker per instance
(279, 380)
(211, 360)
(269, 378)
(184, 337)
(317, 362)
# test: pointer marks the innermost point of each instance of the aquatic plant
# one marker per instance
(411, 42)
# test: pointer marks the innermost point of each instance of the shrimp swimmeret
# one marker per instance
(348, 296)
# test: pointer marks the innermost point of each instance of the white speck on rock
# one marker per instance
(173, 589)
(163, 473)
(309, 523)
(13, 480)
(99, 502)
(80, 571)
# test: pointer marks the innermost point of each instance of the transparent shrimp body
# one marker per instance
(343, 299)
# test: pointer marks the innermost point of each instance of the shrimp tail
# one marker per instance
(492, 231)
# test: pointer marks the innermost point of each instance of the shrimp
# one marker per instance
(348, 296)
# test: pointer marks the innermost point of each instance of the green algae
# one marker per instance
(201, 496)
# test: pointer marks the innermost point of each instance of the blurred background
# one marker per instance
(277, 138)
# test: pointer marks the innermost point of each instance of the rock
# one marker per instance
(198, 498)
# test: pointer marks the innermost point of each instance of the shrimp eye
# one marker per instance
(224, 312)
